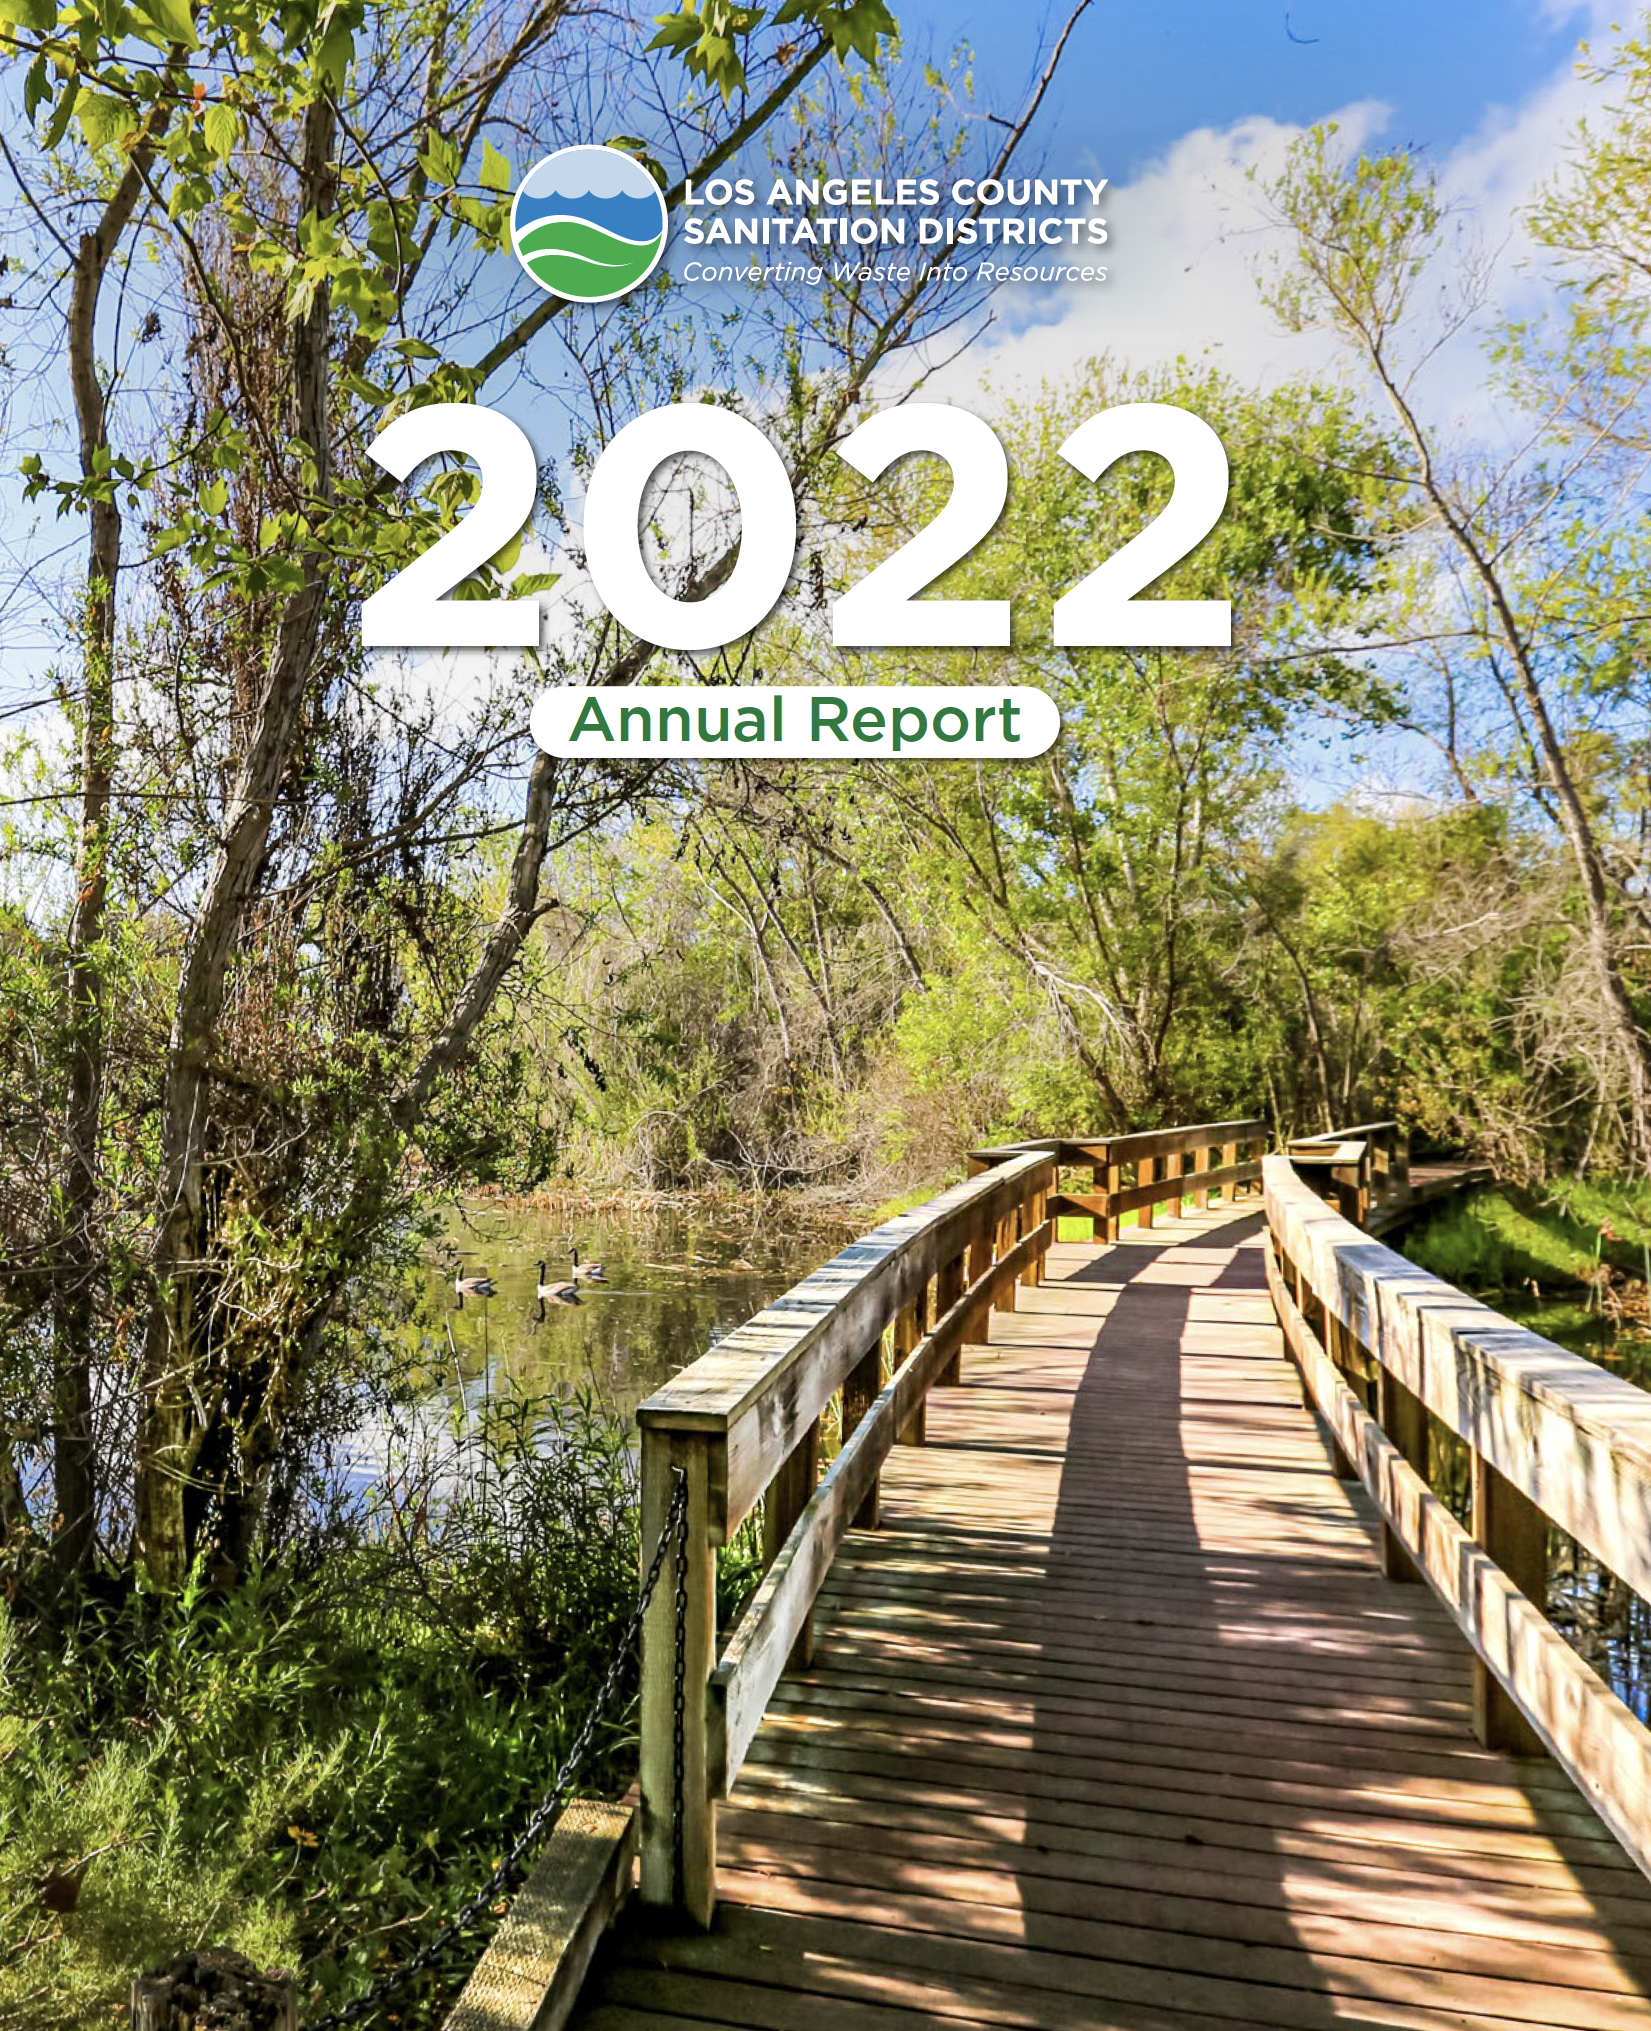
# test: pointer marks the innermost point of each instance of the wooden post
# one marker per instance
(1401, 1164)
(1109, 1178)
(788, 1495)
(1515, 1533)
(949, 1286)
(1175, 1168)
(1007, 1234)
(861, 1388)
(1229, 1156)
(1146, 1172)
(1031, 1220)
(679, 1861)
(1337, 1342)
(908, 1330)
(215, 1979)
(1403, 1416)
(1200, 1164)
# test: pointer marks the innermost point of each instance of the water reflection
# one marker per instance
(677, 1279)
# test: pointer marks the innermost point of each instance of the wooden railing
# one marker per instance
(743, 1424)
(1156, 1167)
(1551, 1438)
(1365, 1169)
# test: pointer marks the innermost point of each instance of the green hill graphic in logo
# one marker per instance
(588, 223)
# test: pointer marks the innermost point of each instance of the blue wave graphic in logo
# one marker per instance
(631, 218)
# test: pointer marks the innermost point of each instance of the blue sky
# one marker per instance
(1174, 103)
(1137, 76)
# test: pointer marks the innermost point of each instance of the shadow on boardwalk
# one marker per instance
(1116, 1726)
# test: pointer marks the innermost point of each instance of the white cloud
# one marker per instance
(1188, 235)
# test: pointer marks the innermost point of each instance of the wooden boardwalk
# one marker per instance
(1116, 1723)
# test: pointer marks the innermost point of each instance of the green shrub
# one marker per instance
(320, 1766)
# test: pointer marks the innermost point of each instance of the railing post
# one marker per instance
(1006, 1234)
(1108, 1177)
(1200, 1165)
(1175, 1169)
(1031, 1220)
(1515, 1534)
(861, 1388)
(1401, 1164)
(1403, 1416)
(1146, 1173)
(980, 1261)
(908, 1330)
(1337, 1341)
(1229, 1157)
(788, 1495)
(1380, 1164)
(949, 1286)
(679, 1847)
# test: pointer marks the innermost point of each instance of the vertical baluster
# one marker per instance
(1340, 1345)
(1403, 1416)
(1031, 1221)
(1515, 1533)
(788, 1495)
(1007, 1229)
(861, 1388)
(908, 1330)
(949, 1287)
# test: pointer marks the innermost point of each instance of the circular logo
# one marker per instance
(588, 224)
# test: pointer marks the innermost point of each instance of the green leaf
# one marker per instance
(440, 160)
(222, 128)
(174, 19)
(214, 497)
(104, 118)
(58, 125)
(495, 169)
(37, 87)
(332, 59)
(38, 15)
(415, 349)
(506, 559)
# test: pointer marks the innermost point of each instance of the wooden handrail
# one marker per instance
(1552, 1438)
(743, 1422)
(1157, 1159)
(1367, 1166)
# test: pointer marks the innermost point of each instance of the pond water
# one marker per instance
(678, 1277)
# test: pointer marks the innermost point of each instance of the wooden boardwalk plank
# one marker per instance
(1117, 1726)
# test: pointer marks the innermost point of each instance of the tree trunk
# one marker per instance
(168, 1432)
(74, 1458)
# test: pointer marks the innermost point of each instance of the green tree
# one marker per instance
(278, 978)
(1526, 569)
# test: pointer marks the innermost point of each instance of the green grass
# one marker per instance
(1537, 1257)
(320, 1767)
(1496, 1240)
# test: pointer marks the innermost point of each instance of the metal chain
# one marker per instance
(550, 1808)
